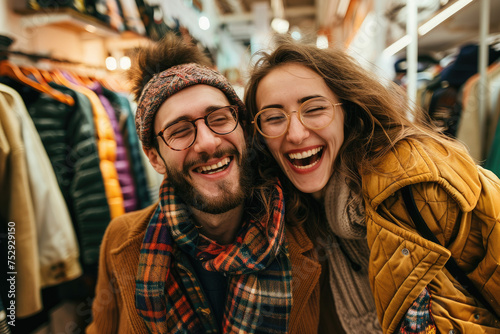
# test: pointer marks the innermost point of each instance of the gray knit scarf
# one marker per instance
(354, 303)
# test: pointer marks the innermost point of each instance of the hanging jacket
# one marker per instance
(16, 209)
(121, 162)
(132, 145)
(106, 147)
(57, 251)
(69, 137)
(402, 263)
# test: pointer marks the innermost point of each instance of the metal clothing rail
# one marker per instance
(37, 57)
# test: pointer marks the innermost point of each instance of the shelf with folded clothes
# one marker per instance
(70, 19)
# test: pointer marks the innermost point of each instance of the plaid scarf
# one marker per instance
(170, 299)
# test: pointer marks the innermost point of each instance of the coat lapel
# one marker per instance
(306, 271)
(125, 261)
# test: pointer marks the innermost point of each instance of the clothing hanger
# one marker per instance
(112, 84)
(84, 79)
(87, 80)
(35, 73)
(60, 79)
(76, 78)
(106, 83)
(11, 70)
(46, 75)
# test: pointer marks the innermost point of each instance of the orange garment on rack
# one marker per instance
(106, 146)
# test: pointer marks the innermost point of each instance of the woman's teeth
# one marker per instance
(306, 154)
(306, 159)
(308, 166)
(215, 167)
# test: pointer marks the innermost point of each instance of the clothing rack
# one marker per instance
(37, 57)
(5, 43)
(484, 15)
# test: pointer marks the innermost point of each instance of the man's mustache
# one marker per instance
(204, 157)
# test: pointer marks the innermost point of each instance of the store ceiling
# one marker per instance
(309, 16)
(462, 28)
(237, 15)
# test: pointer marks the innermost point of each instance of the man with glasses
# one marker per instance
(213, 256)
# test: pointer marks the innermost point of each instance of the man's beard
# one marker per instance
(228, 201)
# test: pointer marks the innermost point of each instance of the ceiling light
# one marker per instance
(322, 42)
(111, 63)
(427, 26)
(125, 63)
(442, 16)
(397, 45)
(296, 35)
(204, 23)
(280, 25)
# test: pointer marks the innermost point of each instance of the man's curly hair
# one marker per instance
(157, 57)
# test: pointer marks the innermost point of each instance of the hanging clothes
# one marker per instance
(443, 96)
(470, 130)
(121, 162)
(69, 136)
(106, 146)
(16, 206)
(58, 251)
(493, 160)
(108, 11)
(94, 189)
(132, 145)
(4, 327)
(154, 179)
(132, 17)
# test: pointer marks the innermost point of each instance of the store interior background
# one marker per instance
(375, 32)
(232, 30)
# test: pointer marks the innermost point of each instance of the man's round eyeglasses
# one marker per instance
(181, 135)
(315, 114)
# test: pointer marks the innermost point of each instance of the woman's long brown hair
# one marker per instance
(376, 117)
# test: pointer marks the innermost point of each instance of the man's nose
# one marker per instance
(297, 132)
(206, 140)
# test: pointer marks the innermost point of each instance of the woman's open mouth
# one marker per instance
(306, 159)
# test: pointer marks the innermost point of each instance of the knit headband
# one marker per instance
(165, 84)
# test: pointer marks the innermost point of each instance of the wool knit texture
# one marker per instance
(167, 83)
(351, 290)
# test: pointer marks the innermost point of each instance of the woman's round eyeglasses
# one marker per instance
(181, 135)
(315, 114)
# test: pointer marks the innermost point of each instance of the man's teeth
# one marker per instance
(306, 154)
(222, 163)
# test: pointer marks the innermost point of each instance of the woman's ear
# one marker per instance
(155, 159)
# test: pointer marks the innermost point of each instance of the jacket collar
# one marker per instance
(409, 163)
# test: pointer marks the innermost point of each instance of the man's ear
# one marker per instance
(155, 160)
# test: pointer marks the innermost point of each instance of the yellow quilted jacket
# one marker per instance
(402, 262)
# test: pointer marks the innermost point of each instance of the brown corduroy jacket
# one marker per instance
(114, 305)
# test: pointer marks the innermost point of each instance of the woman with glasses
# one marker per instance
(346, 149)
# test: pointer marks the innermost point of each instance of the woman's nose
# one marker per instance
(297, 132)
(206, 140)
